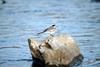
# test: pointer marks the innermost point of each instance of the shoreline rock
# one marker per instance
(60, 50)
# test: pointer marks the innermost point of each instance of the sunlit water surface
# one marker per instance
(22, 19)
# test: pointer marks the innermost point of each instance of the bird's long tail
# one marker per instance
(40, 32)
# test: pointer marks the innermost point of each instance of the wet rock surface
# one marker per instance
(56, 51)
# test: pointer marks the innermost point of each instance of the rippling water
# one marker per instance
(21, 19)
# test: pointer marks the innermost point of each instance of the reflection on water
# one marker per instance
(20, 20)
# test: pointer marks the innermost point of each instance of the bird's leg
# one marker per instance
(52, 35)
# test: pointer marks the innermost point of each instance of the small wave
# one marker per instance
(9, 47)
(2, 62)
(21, 60)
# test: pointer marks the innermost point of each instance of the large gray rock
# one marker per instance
(55, 50)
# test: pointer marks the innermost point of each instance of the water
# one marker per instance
(22, 19)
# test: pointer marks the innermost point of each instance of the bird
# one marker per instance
(51, 30)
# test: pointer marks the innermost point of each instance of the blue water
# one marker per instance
(22, 19)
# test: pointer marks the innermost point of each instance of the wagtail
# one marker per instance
(51, 30)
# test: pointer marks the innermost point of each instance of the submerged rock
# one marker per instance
(60, 50)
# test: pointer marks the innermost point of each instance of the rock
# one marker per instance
(2, 1)
(55, 50)
(95, 0)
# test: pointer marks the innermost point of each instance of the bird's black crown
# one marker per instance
(53, 25)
